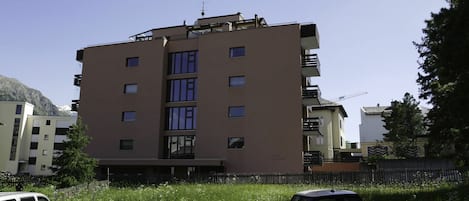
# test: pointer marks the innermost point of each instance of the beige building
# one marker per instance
(13, 117)
(330, 140)
(226, 94)
(28, 143)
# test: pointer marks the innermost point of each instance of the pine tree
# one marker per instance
(444, 60)
(74, 166)
(404, 122)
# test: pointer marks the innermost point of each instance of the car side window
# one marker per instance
(11, 200)
(28, 199)
(40, 198)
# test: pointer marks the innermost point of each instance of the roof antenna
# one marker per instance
(203, 9)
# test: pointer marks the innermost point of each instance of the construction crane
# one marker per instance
(345, 97)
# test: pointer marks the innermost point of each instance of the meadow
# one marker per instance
(255, 192)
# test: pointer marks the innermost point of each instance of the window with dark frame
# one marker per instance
(132, 61)
(235, 142)
(236, 81)
(179, 147)
(35, 130)
(61, 131)
(19, 109)
(236, 111)
(32, 160)
(182, 62)
(47, 122)
(182, 90)
(181, 118)
(126, 144)
(237, 52)
(130, 88)
(34, 145)
(14, 139)
(129, 116)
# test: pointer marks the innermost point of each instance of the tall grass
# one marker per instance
(257, 192)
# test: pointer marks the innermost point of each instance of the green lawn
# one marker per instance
(256, 192)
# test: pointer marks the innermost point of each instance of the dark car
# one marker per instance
(326, 195)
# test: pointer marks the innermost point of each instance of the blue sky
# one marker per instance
(366, 45)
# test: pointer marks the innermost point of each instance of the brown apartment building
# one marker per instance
(226, 94)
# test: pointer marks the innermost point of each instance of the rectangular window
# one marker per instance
(35, 130)
(59, 146)
(126, 144)
(182, 90)
(32, 160)
(236, 111)
(43, 167)
(33, 145)
(132, 61)
(237, 52)
(61, 131)
(19, 109)
(14, 140)
(130, 88)
(235, 142)
(180, 147)
(44, 152)
(181, 118)
(46, 137)
(129, 116)
(319, 140)
(182, 62)
(237, 81)
(47, 122)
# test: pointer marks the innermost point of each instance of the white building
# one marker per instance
(28, 142)
(372, 130)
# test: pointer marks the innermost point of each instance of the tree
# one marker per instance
(74, 166)
(444, 53)
(404, 121)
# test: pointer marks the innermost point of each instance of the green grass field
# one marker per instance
(255, 192)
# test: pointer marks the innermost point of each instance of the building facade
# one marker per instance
(226, 94)
(28, 142)
(13, 117)
(331, 137)
(372, 130)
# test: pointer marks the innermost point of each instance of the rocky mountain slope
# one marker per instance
(13, 90)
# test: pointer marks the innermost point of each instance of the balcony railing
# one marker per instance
(310, 65)
(311, 95)
(77, 80)
(312, 124)
(75, 105)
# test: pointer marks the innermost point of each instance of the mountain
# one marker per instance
(13, 90)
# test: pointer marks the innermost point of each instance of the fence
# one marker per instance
(370, 177)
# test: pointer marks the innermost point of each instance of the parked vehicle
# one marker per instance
(22, 196)
(326, 195)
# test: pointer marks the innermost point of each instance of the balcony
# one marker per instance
(310, 65)
(309, 36)
(75, 105)
(79, 56)
(77, 80)
(311, 95)
(312, 158)
(311, 126)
